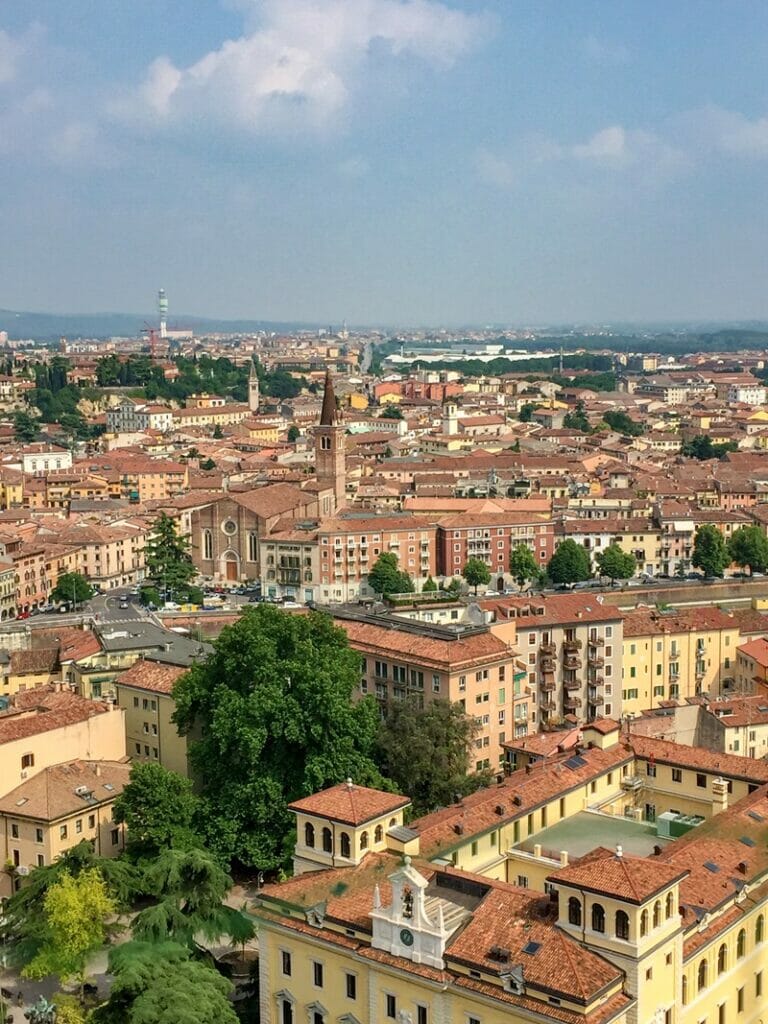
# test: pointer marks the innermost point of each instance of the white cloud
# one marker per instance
(494, 169)
(10, 51)
(728, 131)
(600, 51)
(300, 64)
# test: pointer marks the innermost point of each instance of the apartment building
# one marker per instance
(492, 537)
(675, 655)
(290, 563)
(130, 417)
(144, 692)
(571, 647)
(636, 536)
(468, 665)
(111, 555)
(59, 807)
(752, 667)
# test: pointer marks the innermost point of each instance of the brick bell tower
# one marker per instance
(330, 444)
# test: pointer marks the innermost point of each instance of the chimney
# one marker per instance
(97, 769)
(719, 795)
(563, 858)
(349, 784)
(619, 851)
(742, 867)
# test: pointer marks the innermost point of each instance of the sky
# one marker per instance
(394, 162)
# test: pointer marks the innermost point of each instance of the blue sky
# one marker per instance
(386, 161)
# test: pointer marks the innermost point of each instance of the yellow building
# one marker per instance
(144, 694)
(670, 656)
(27, 669)
(55, 810)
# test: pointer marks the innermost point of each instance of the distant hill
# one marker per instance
(51, 326)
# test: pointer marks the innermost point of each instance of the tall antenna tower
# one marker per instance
(162, 309)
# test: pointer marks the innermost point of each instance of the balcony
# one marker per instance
(548, 705)
(547, 685)
(571, 662)
(596, 680)
(572, 645)
(572, 684)
(632, 783)
(547, 649)
(596, 698)
(596, 641)
(547, 664)
(594, 661)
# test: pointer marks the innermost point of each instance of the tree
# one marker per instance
(207, 464)
(385, 578)
(454, 587)
(158, 808)
(430, 587)
(426, 750)
(618, 420)
(163, 984)
(710, 552)
(218, 433)
(522, 564)
(392, 412)
(476, 572)
(72, 586)
(748, 546)
(25, 427)
(702, 447)
(271, 718)
(293, 433)
(76, 909)
(569, 564)
(527, 409)
(167, 555)
(615, 563)
(577, 420)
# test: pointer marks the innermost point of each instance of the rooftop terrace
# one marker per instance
(587, 830)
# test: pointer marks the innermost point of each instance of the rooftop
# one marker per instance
(350, 804)
(586, 830)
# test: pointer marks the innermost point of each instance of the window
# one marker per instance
(701, 780)
(741, 944)
(285, 961)
(421, 1015)
(643, 924)
(62, 831)
(135, 702)
(622, 925)
(684, 991)
(391, 1006)
(14, 831)
(309, 834)
(670, 905)
(759, 929)
(721, 1013)
(40, 860)
(701, 976)
(677, 775)
(364, 841)
(598, 918)
(115, 836)
(740, 1000)
(722, 959)
(27, 761)
(38, 835)
(650, 770)
(759, 983)
(574, 911)
(474, 848)
(346, 849)
(351, 982)
(327, 841)
(79, 826)
(657, 914)
(317, 974)
(378, 834)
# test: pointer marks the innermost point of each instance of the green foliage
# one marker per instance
(150, 595)
(75, 912)
(577, 420)
(218, 433)
(391, 412)
(72, 587)
(207, 464)
(476, 573)
(618, 420)
(748, 546)
(569, 564)
(293, 433)
(523, 565)
(385, 578)
(526, 411)
(615, 563)
(273, 709)
(453, 588)
(430, 587)
(701, 447)
(167, 555)
(69, 1010)
(25, 427)
(158, 808)
(710, 552)
(426, 750)
(163, 984)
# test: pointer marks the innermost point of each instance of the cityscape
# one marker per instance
(384, 603)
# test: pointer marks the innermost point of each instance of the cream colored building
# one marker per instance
(144, 693)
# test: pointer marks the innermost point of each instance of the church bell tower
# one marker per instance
(253, 389)
(330, 443)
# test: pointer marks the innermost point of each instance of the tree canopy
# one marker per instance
(522, 564)
(748, 546)
(72, 586)
(618, 420)
(271, 718)
(158, 807)
(702, 447)
(476, 573)
(569, 564)
(615, 563)
(167, 557)
(710, 551)
(25, 427)
(385, 578)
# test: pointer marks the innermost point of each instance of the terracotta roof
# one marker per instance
(422, 648)
(648, 622)
(633, 879)
(34, 662)
(553, 610)
(150, 675)
(43, 710)
(730, 765)
(50, 794)
(350, 804)
(757, 650)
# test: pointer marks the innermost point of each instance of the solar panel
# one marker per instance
(755, 816)
(531, 947)
(711, 867)
(747, 841)
(575, 762)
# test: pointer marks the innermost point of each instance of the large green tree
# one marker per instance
(271, 718)
(615, 563)
(385, 577)
(569, 564)
(158, 807)
(72, 586)
(169, 563)
(710, 551)
(161, 983)
(476, 573)
(523, 564)
(426, 750)
(748, 546)
(25, 427)
(618, 420)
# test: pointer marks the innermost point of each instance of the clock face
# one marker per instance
(406, 937)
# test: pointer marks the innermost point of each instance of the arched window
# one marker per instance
(574, 911)
(207, 544)
(657, 914)
(364, 841)
(346, 848)
(309, 834)
(622, 925)
(325, 444)
(702, 976)
(741, 944)
(287, 1012)
(598, 918)
(644, 924)
(392, 822)
(722, 959)
(759, 929)
(685, 991)
(253, 546)
(327, 841)
(670, 904)
(378, 835)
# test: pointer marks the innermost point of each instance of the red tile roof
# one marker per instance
(633, 879)
(150, 675)
(350, 804)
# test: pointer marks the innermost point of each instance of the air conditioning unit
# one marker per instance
(22, 869)
(81, 791)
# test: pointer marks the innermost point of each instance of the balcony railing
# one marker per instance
(547, 685)
(572, 703)
(547, 664)
(572, 662)
(547, 649)
(595, 661)
(572, 645)
(572, 684)
(596, 641)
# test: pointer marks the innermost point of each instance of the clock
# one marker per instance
(406, 937)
